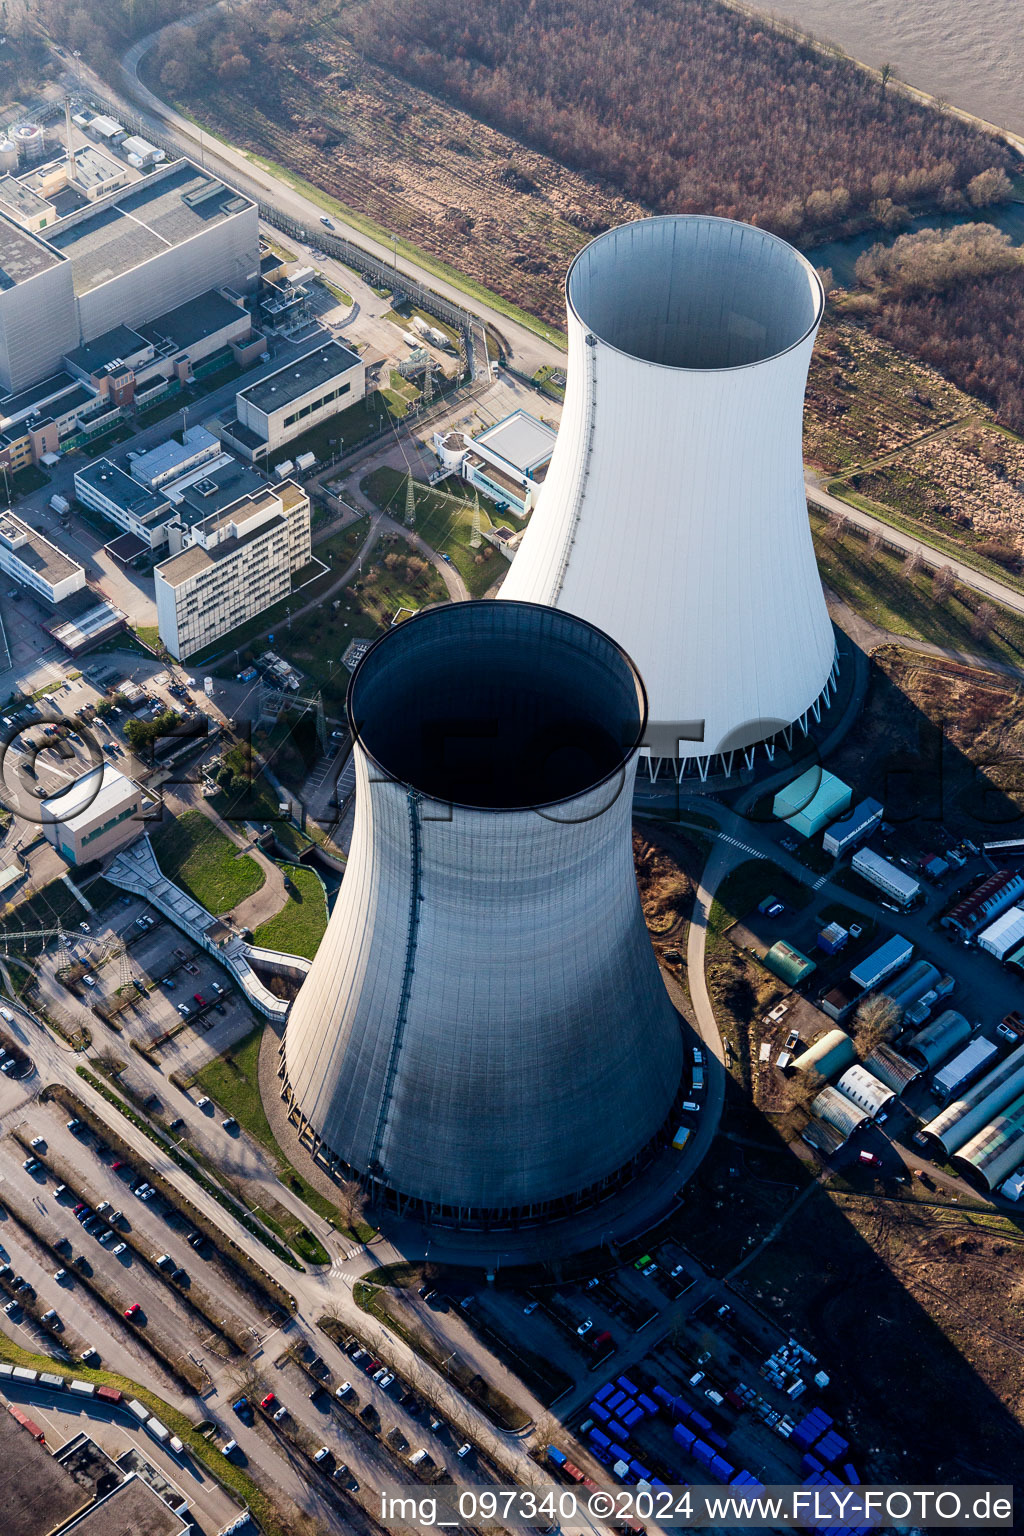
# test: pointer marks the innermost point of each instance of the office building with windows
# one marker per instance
(233, 565)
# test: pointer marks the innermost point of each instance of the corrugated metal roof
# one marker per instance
(788, 963)
(891, 1068)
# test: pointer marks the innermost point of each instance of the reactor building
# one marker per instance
(673, 515)
(484, 1037)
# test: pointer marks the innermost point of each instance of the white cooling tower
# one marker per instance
(484, 1036)
(673, 515)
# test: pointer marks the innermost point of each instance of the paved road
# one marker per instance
(530, 350)
(998, 591)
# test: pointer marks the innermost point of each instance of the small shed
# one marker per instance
(787, 963)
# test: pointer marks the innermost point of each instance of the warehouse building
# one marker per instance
(995, 893)
(1003, 936)
(865, 1090)
(885, 877)
(283, 405)
(35, 563)
(965, 1115)
(788, 964)
(120, 259)
(892, 1069)
(95, 814)
(811, 801)
(996, 1151)
(838, 1111)
(234, 564)
(931, 1046)
(853, 828)
(829, 1056)
(905, 990)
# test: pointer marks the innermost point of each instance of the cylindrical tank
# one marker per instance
(30, 143)
(484, 1031)
(673, 514)
(8, 156)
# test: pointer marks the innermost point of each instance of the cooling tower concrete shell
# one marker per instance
(484, 1030)
(673, 514)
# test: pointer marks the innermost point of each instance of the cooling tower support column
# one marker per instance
(484, 1036)
(673, 514)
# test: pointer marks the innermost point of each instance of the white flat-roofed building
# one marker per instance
(234, 565)
(123, 501)
(172, 459)
(509, 461)
(95, 814)
(36, 563)
(288, 402)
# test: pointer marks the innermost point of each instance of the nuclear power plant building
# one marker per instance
(484, 1036)
(673, 514)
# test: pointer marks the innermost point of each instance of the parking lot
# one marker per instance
(186, 1294)
(134, 969)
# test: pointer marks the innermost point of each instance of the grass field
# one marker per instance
(233, 1081)
(300, 925)
(876, 584)
(445, 519)
(202, 860)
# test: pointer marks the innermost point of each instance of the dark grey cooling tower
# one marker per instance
(484, 1031)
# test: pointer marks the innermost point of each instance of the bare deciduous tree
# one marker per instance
(876, 1018)
(943, 582)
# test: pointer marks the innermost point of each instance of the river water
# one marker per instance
(969, 52)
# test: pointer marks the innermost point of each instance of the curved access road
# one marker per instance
(530, 349)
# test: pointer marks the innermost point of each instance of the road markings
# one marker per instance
(734, 842)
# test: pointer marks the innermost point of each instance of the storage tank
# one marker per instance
(29, 142)
(8, 156)
(674, 513)
(484, 1036)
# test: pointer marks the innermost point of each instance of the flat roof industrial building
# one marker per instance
(144, 221)
(297, 378)
(137, 253)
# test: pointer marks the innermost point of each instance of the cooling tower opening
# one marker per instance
(695, 292)
(497, 705)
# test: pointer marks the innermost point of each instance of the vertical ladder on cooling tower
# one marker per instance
(402, 1013)
(583, 467)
